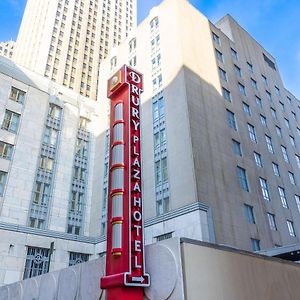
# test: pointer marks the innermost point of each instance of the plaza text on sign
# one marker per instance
(125, 262)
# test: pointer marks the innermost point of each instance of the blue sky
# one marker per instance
(271, 22)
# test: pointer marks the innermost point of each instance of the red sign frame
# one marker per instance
(125, 261)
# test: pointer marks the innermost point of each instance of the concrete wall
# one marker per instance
(179, 270)
(213, 273)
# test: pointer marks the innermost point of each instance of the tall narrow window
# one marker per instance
(258, 160)
(242, 89)
(275, 169)
(297, 199)
(272, 222)
(216, 38)
(285, 154)
(282, 197)
(226, 94)
(231, 120)
(255, 244)
(241, 174)
(249, 213)
(246, 109)
(292, 178)
(291, 228)
(219, 56)
(237, 71)
(3, 177)
(236, 147)
(252, 133)
(264, 189)
(269, 144)
(223, 74)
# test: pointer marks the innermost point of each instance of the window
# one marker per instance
(269, 62)
(246, 109)
(17, 95)
(252, 133)
(11, 121)
(258, 160)
(273, 112)
(264, 189)
(258, 102)
(113, 62)
(132, 45)
(298, 131)
(285, 154)
(255, 244)
(242, 89)
(272, 222)
(289, 99)
(297, 199)
(291, 228)
(6, 150)
(254, 83)
(292, 178)
(282, 197)
(77, 258)
(264, 78)
(231, 119)
(292, 139)
(237, 71)
(50, 136)
(249, 213)
(54, 111)
(164, 236)
(41, 194)
(164, 169)
(277, 90)
(162, 206)
(223, 74)
(226, 94)
(46, 163)
(263, 120)
(269, 144)
(219, 56)
(241, 174)
(236, 147)
(278, 131)
(3, 178)
(294, 115)
(269, 96)
(275, 169)
(37, 261)
(157, 172)
(154, 23)
(216, 38)
(297, 157)
(287, 123)
(250, 67)
(234, 54)
(281, 106)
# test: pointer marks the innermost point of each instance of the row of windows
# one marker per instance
(253, 137)
(37, 261)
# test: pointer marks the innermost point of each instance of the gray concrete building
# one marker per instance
(7, 48)
(219, 128)
(220, 147)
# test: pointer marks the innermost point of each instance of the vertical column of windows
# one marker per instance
(105, 185)
(41, 196)
(159, 124)
(77, 201)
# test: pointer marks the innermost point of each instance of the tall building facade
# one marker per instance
(218, 127)
(65, 40)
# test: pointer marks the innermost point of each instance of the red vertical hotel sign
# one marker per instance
(125, 262)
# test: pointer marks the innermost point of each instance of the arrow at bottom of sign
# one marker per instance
(143, 280)
(138, 279)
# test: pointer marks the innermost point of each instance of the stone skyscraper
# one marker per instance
(65, 40)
